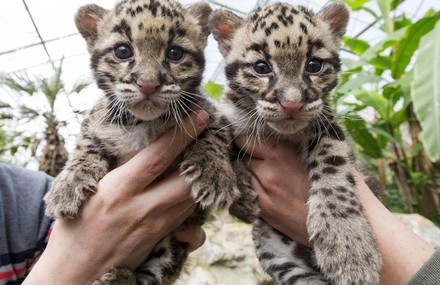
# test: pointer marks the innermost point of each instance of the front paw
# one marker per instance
(348, 254)
(68, 192)
(212, 183)
(116, 276)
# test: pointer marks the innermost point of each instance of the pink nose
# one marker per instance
(291, 108)
(148, 87)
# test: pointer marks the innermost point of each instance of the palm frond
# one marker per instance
(20, 82)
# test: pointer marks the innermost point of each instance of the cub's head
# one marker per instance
(281, 61)
(147, 54)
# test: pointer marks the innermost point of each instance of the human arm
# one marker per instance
(126, 218)
(281, 182)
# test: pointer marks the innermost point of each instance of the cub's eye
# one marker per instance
(261, 67)
(175, 53)
(314, 66)
(123, 51)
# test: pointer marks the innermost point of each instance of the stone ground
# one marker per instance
(227, 257)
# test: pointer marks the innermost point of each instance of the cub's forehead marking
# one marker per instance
(275, 16)
(157, 8)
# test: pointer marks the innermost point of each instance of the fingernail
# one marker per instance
(201, 119)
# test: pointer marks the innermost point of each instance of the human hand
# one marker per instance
(127, 217)
(282, 185)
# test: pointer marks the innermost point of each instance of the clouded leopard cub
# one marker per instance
(147, 58)
(281, 63)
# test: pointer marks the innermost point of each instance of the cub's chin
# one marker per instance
(148, 110)
(288, 126)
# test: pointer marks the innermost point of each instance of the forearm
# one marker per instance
(52, 269)
(403, 252)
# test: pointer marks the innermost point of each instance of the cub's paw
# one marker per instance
(348, 255)
(212, 183)
(117, 276)
(68, 192)
(246, 207)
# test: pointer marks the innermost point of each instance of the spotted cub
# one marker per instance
(281, 62)
(147, 58)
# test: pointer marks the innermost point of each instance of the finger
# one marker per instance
(193, 235)
(263, 197)
(168, 193)
(149, 163)
(257, 167)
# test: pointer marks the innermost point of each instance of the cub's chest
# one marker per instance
(124, 142)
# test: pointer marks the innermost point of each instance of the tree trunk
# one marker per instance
(54, 155)
(423, 164)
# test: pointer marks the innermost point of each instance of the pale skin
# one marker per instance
(281, 182)
(127, 217)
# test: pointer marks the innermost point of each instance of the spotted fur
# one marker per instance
(281, 62)
(147, 58)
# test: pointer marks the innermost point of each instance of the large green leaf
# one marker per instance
(372, 52)
(357, 81)
(410, 42)
(358, 130)
(356, 45)
(425, 91)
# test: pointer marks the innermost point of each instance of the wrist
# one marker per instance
(403, 252)
(63, 263)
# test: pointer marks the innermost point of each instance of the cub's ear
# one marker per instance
(223, 25)
(86, 20)
(201, 12)
(336, 15)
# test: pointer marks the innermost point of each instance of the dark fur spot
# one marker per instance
(326, 191)
(353, 212)
(341, 198)
(312, 164)
(335, 132)
(341, 189)
(267, 255)
(335, 160)
(350, 178)
(315, 177)
(329, 170)
(124, 29)
(306, 253)
(331, 206)
(303, 28)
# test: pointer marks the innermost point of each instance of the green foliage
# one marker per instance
(20, 82)
(391, 83)
(356, 4)
(214, 90)
(409, 44)
(425, 90)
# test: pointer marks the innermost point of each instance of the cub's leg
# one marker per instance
(207, 168)
(246, 206)
(117, 276)
(164, 263)
(77, 181)
(286, 261)
(162, 266)
(343, 240)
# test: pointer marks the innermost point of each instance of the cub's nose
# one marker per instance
(291, 108)
(147, 87)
